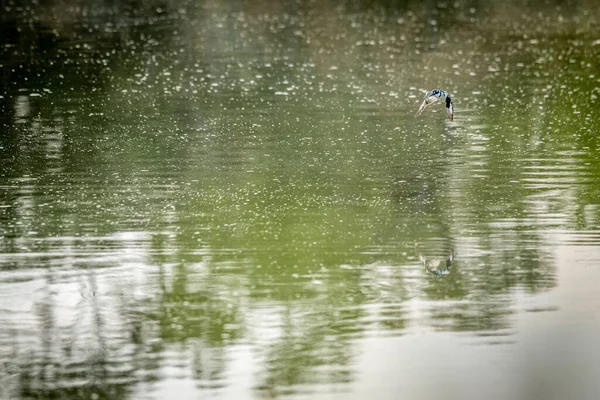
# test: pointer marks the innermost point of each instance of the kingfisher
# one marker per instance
(433, 97)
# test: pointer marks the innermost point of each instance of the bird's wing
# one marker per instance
(427, 101)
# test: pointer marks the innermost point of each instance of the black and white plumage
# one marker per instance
(433, 97)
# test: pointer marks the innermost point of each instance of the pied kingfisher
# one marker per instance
(433, 97)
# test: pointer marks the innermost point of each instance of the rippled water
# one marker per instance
(236, 201)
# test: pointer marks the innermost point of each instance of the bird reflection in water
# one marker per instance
(436, 262)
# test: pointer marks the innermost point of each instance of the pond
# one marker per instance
(232, 200)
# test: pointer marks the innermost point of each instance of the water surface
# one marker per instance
(235, 201)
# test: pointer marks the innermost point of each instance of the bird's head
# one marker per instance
(450, 108)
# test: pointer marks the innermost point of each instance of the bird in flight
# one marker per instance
(433, 97)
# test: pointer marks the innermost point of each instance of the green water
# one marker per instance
(226, 200)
